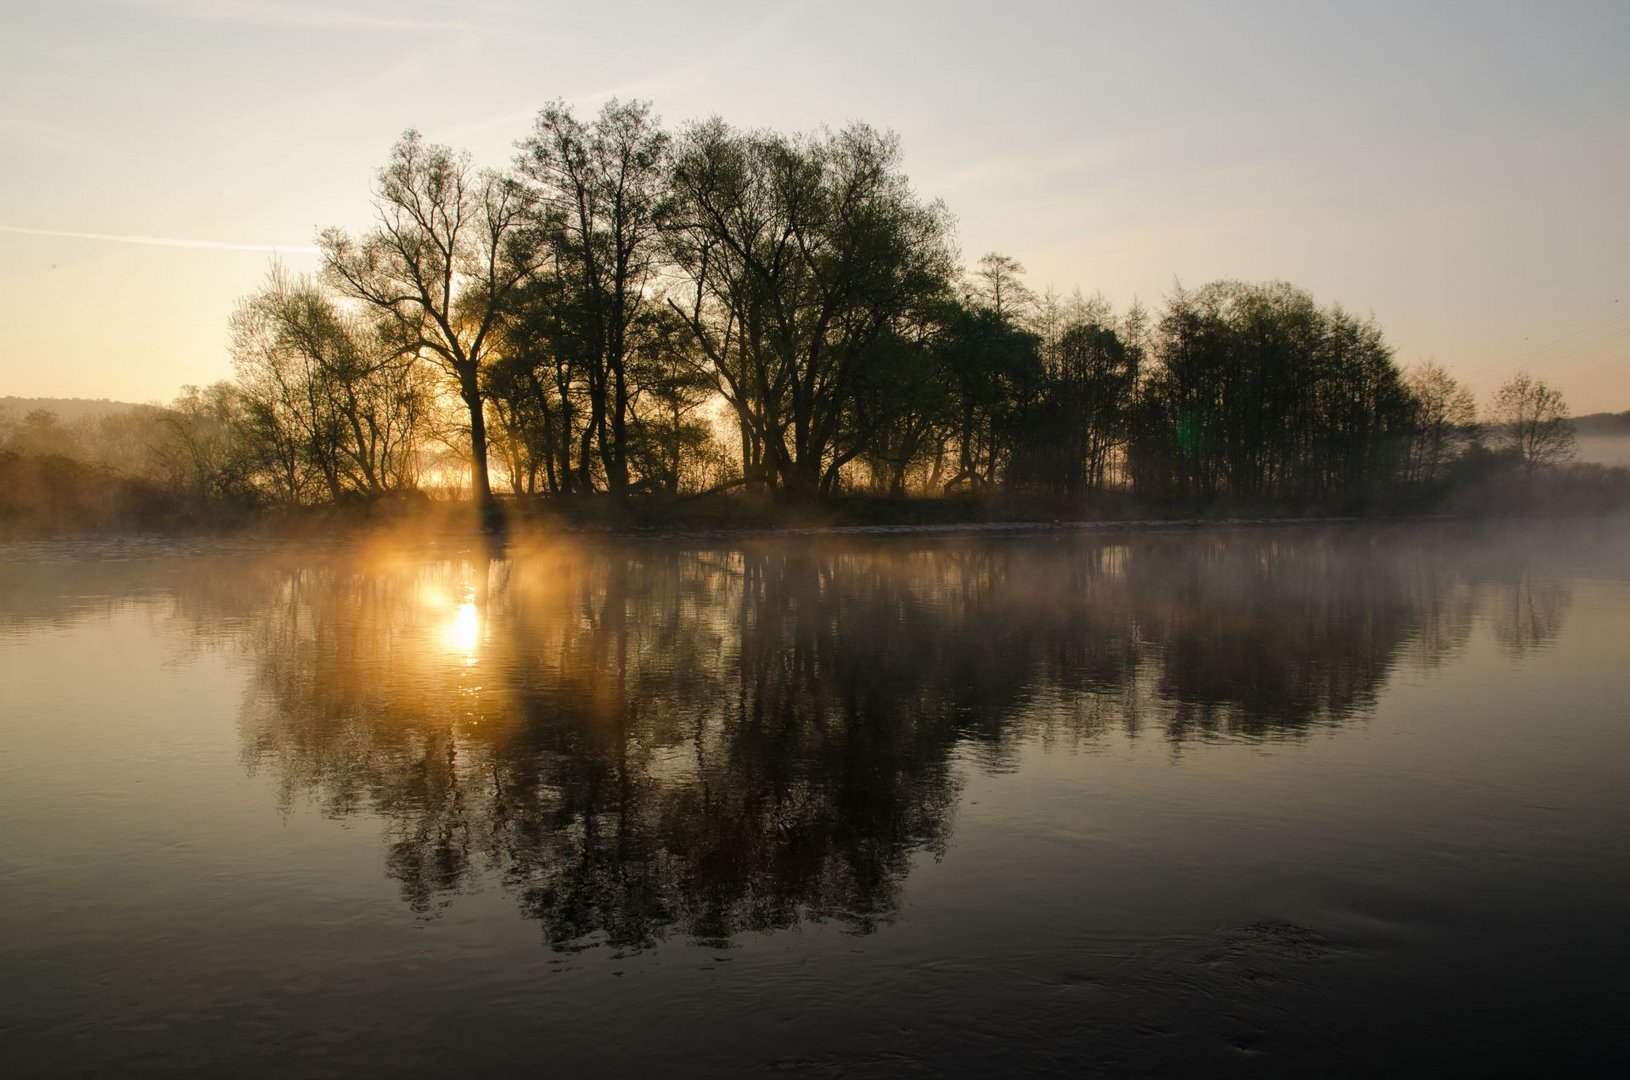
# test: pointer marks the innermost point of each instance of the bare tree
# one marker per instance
(327, 398)
(200, 447)
(998, 286)
(1531, 422)
(452, 247)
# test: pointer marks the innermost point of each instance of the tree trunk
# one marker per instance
(480, 485)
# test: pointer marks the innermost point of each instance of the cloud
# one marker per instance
(163, 241)
(281, 14)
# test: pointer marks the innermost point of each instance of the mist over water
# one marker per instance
(1261, 800)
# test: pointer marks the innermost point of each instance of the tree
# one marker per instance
(998, 286)
(41, 434)
(801, 257)
(994, 371)
(328, 400)
(903, 407)
(452, 247)
(601, 197)
(1444, 419)
(1260, 393)
(1530, 421)
(201, 449)
(1084, 410)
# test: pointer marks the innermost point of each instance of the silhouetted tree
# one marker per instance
(1529, 420)
(998, 285)
(326, 398)
(600, 193)
(539, 387)
(1083, 417)
(903, 406)
(800, 256)
(1444, 420)
(1258, 393)
(443, 266)
(994, 369)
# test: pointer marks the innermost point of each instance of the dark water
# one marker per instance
(1280, 802)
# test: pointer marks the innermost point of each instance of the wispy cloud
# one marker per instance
(283, 14)
(162, 241)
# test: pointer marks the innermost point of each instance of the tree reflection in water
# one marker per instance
(642, 740)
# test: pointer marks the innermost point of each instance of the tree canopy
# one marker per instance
(628, 309)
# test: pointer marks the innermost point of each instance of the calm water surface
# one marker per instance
(1289, 802)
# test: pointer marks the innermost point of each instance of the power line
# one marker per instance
(1568, 345)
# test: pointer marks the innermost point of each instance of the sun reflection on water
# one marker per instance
(464, 631)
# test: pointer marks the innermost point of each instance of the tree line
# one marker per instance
(628, 309)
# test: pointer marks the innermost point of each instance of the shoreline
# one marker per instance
(136, 544)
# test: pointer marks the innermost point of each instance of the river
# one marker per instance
(1287, 801)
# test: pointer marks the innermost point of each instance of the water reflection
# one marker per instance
(642, 741)
(1528, 612)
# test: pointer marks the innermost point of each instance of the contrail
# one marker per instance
(165, 241)
(281, 13)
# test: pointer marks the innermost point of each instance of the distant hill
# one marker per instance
(67, 409)
(1603, 423)
(1604, 438)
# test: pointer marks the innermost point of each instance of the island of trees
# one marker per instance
(628, 315)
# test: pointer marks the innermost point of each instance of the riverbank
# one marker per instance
(45, 497)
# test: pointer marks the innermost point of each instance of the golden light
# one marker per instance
(462, 634)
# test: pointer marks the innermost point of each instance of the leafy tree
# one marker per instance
(540, 388)
(1085, 408)
(671, 443)
(600, 195)
(903, 407)
(800, 258)
(1259, 393)
(994, 370)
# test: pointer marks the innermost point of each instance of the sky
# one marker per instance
(1460, 171)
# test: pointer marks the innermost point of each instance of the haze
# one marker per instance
(1457, 171)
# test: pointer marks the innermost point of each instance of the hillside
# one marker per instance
(67, 409)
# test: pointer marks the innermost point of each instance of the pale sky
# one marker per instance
(1460, 171)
